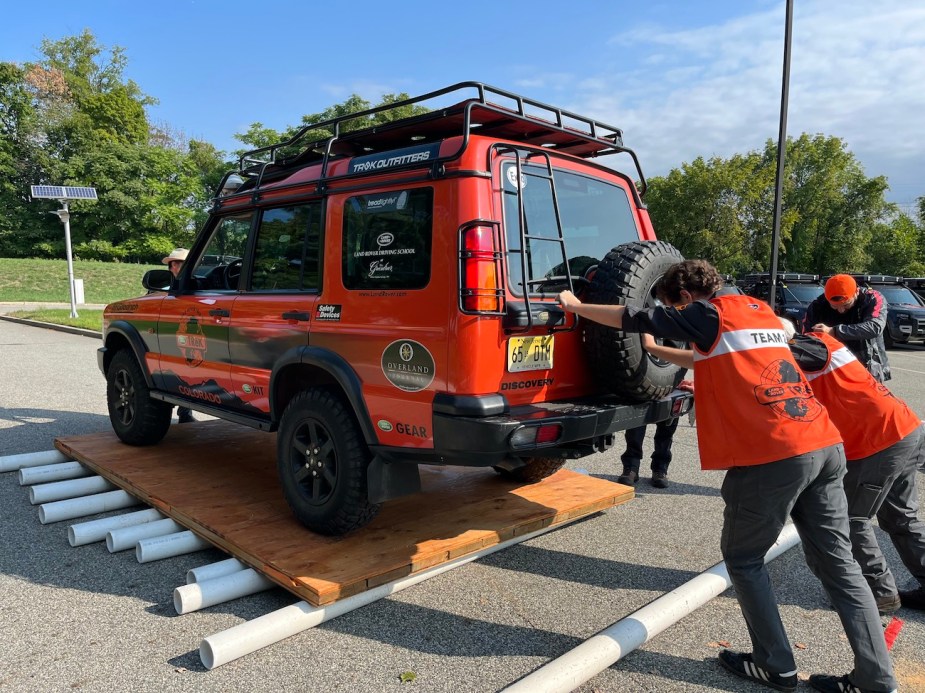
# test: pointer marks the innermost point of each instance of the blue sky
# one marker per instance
(682, 79)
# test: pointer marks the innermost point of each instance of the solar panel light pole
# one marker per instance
(63, 193)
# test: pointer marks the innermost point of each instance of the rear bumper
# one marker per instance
(587, 426)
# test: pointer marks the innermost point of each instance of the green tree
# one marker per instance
(723, 209)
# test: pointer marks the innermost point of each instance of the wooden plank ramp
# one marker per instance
(219, 480)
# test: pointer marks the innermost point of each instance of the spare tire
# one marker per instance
(627, 277)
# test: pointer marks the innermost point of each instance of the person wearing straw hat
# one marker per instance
(855, 316)
(174, 263)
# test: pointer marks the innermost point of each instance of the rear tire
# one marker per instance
(627, 277)
(136, 418)
(537, 469)
(322, 462)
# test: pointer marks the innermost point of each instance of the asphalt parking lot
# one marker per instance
(85, 619)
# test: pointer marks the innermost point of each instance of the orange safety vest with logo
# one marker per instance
(754, 405)
(869, 416)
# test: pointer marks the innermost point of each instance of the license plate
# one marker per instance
(529, 353)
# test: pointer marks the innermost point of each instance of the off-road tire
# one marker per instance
(322, 462)
(537, 469)
(136, 418)
(627, 277)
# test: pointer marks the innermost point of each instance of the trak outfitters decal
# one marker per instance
(787, 392)
(396, 157)
(190, 338)
(408, 365)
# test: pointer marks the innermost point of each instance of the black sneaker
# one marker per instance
(889, 604)
(913, 599)
(628, 477)
(185, 416)
(659, 479)
(834, 684)
(742, 664)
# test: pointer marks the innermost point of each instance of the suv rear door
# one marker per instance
(274, 311)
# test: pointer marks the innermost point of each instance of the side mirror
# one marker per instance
(157, 280)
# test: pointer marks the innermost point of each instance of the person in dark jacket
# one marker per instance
(854, 316)
(883, 444)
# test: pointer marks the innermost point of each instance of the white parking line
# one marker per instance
(907, 370)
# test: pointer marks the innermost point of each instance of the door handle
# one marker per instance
(296, 315)
(219, 313)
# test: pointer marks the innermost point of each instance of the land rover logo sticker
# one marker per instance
(384, 425)
(408, 365)
(385, 239)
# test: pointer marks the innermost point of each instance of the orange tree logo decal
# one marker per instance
(190, 338)
(786, 391)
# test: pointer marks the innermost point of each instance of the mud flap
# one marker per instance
(387, 480)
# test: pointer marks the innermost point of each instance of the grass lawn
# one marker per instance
(87, 319)
(46, 281)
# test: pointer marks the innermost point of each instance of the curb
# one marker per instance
(51, 326)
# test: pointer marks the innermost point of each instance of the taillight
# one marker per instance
(480, 269)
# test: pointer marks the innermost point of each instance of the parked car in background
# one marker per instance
(795, 291)
(905, 319)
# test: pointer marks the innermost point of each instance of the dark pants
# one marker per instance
(661, 456)
(808, 488)
(883, 485)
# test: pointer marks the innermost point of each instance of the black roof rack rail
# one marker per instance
(781, 276)
(878, 279)
(552, 128)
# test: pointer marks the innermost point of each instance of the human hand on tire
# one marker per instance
(568, 300)
(687, 386)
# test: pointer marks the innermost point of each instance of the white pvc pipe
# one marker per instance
(72, 488)
(156, 548)
(10, 463)
(210, 571)
(199, 595)
(127, 537)
(594, 655)
(265, 630)
(52, 472)
(88, 505)
(96, 530)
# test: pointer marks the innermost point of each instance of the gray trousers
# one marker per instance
(808, 488)
(884, 485)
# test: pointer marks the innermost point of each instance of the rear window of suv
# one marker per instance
(387, 240)
(596, 216)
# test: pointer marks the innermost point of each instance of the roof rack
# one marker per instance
(781, 276)
(521, 119)
(877, 278)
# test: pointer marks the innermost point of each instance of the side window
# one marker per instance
(387, 240)
(286, 255)
(219, 266)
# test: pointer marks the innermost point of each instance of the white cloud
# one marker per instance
(857, 72)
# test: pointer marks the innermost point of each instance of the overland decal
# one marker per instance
(408, 365)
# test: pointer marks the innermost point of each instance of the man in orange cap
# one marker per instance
(856, 317)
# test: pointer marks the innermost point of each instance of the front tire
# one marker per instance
(322, 462)
(136, 418)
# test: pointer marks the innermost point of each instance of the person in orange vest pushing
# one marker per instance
(884, 445)
(757, 418)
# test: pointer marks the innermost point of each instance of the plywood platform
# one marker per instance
(219, 480)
